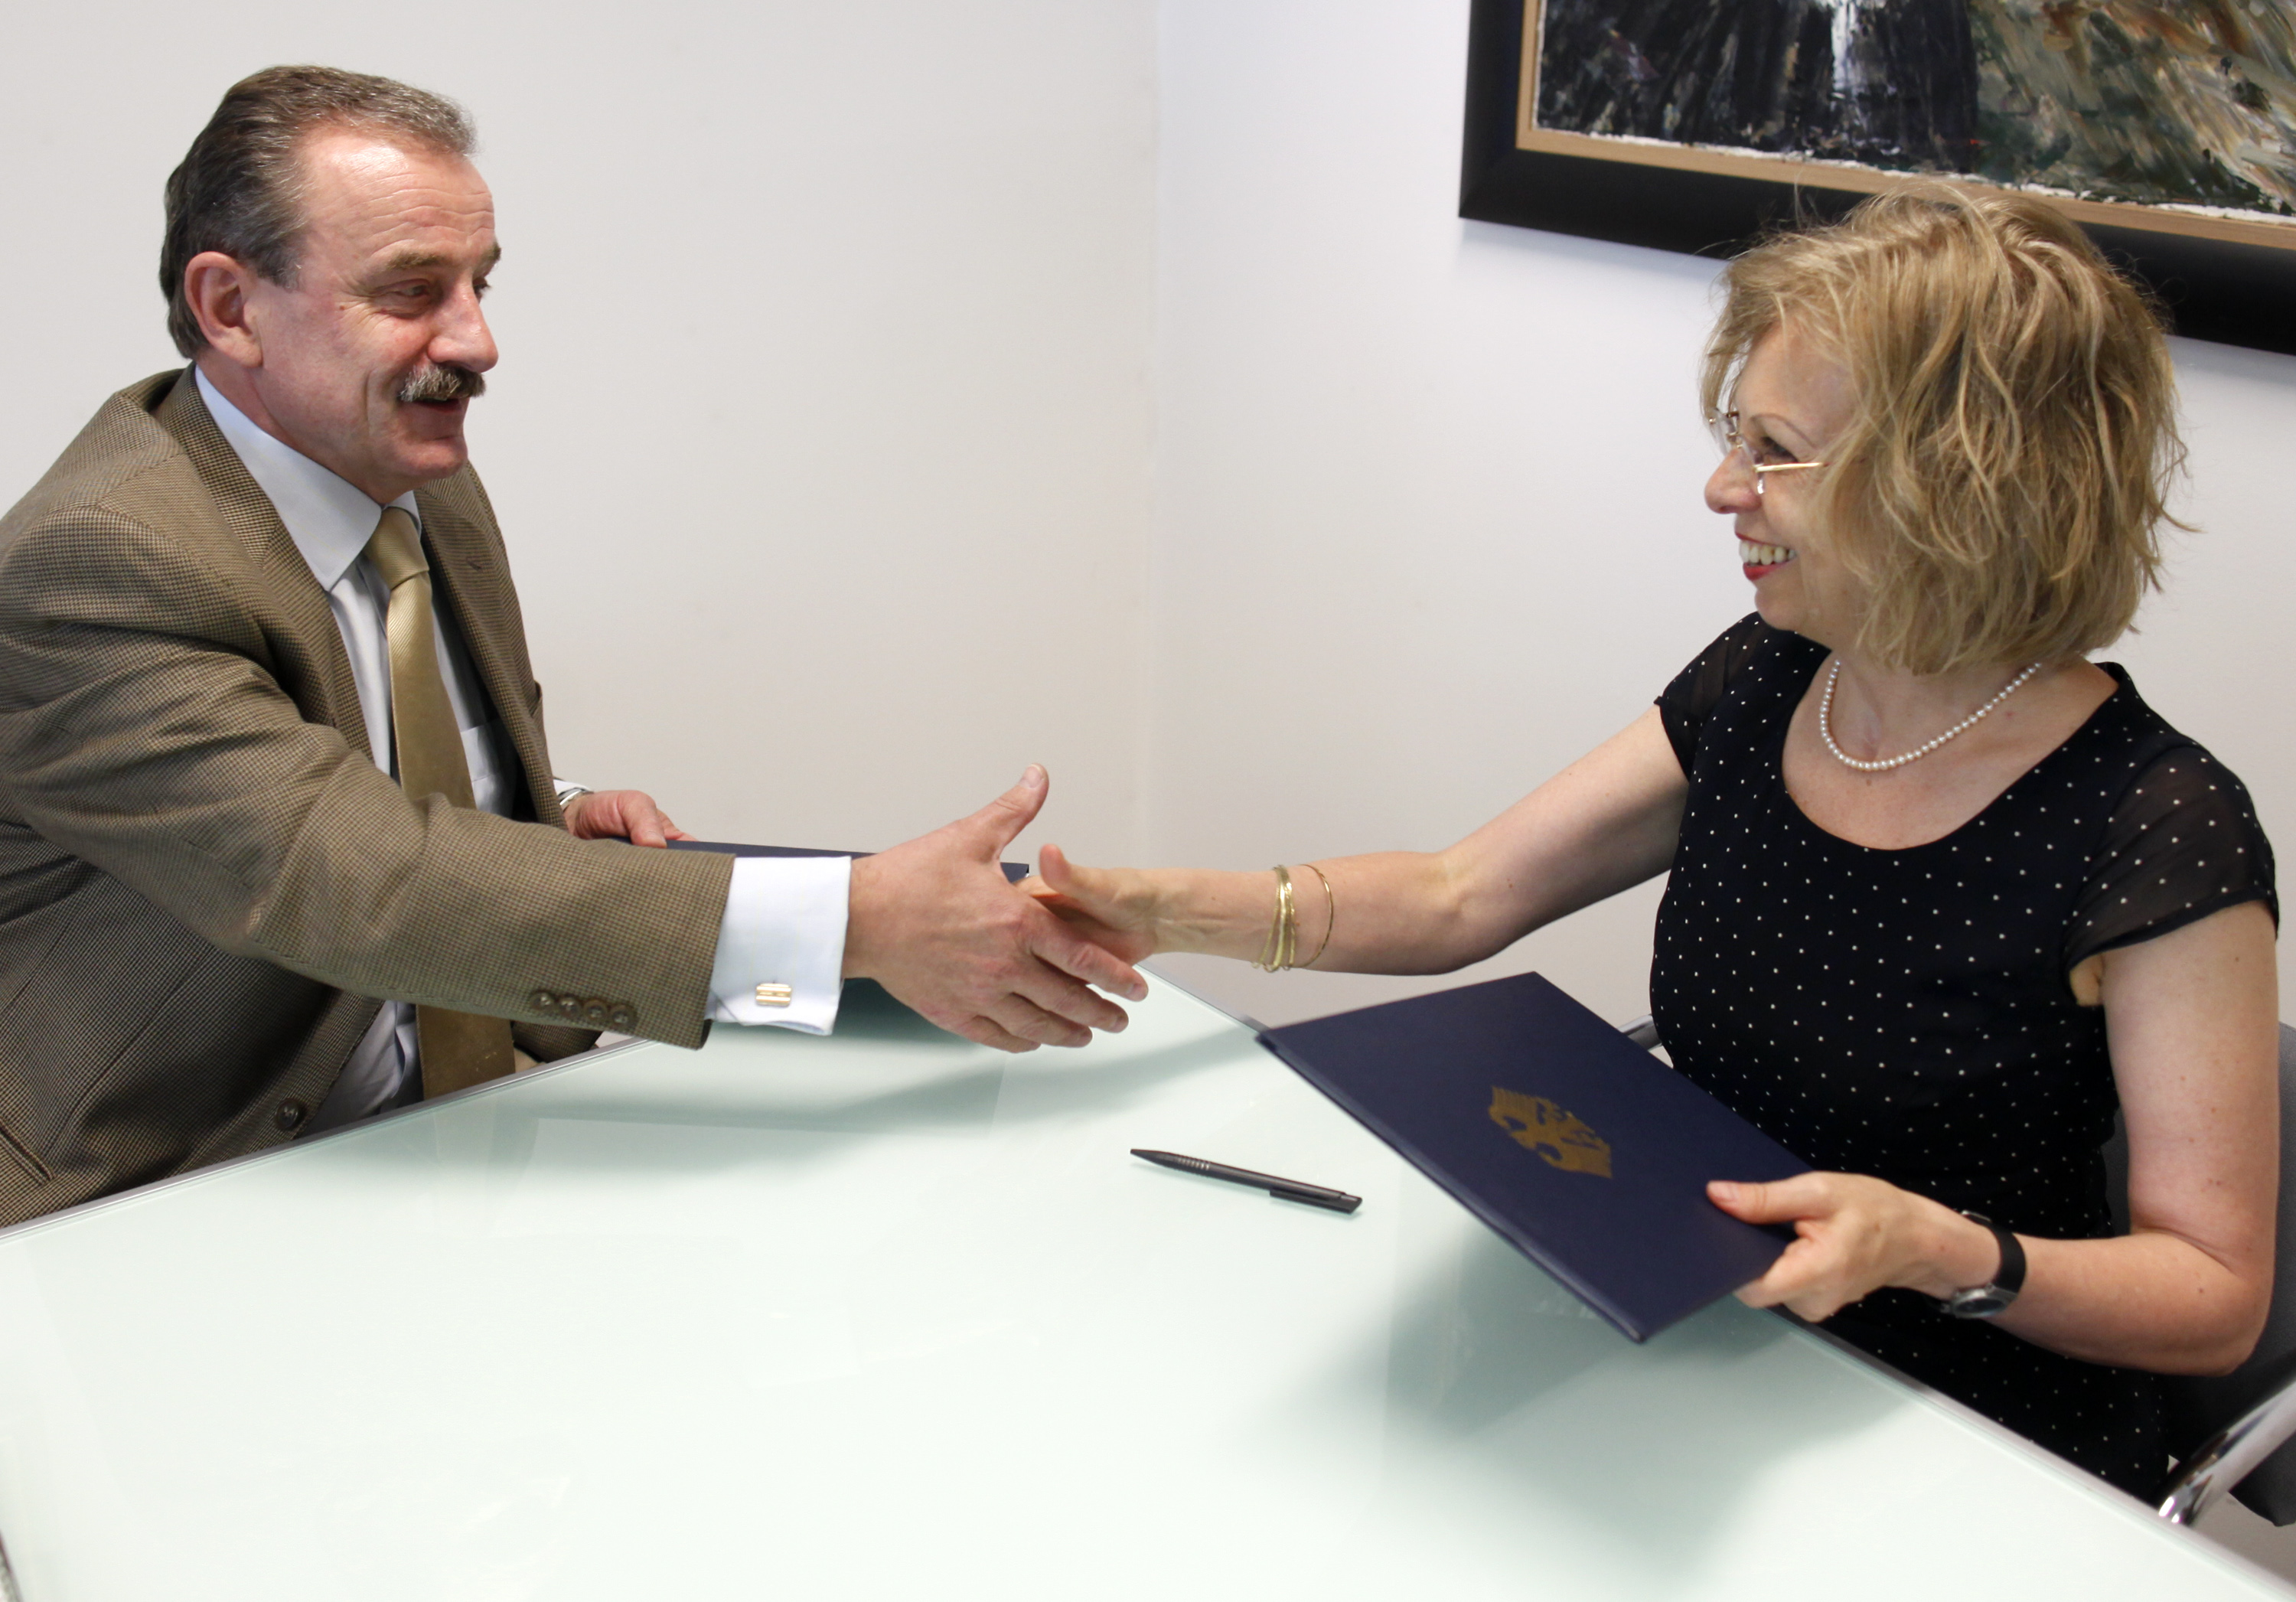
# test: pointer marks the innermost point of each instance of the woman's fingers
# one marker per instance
(1810, 1279)
(1855, 1235)
(1837, 1255)
(1096, 891)
(1070, 884)
(1093, 901)
(1053, 863)
(1776, 1201)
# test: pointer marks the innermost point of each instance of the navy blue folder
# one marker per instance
(1586, 1153)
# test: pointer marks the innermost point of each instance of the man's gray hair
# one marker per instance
(240, 189)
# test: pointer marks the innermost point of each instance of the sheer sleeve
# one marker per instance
(1699, 689)
(2182, 842)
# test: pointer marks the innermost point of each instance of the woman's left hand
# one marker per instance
(1855, 1235)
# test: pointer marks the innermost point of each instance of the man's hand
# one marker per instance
(935, 923)
(620, 815)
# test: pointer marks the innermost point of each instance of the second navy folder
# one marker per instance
(1588, 1154)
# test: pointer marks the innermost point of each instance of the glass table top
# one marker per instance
(889, 1315)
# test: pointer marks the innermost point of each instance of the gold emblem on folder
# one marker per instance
(1560, 1138)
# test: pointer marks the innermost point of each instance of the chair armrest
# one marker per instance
(2226, 1458)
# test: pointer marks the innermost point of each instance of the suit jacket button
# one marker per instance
(290, 1114)
(569, 1007)
(594, 1013)
(623, 1018)
(544, 1001)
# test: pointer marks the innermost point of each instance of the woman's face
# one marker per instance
(1793, 402)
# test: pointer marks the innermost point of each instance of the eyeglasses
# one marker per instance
(1732, 442)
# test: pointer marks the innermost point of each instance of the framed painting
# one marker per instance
(2165, 128)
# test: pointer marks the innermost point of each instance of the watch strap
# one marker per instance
(1995, 1296)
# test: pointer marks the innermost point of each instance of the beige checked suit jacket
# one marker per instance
(206, 882)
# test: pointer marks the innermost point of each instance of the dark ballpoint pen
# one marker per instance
(1289, 1190)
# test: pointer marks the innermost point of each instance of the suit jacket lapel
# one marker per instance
(312, 665)
(465, 576)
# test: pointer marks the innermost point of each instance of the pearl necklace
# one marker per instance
(1825, 724)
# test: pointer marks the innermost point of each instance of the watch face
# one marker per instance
(1982, 1303)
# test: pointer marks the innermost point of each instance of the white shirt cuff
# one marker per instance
(783, 938)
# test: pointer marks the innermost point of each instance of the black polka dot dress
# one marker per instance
(1905, 1014)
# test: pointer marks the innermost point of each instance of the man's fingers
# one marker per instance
(648, 826)
(629, 815)
(1024, 1018)
(1054, 992)
(984, 1032)
(1010, 813)
(1062, 947)
(979, 1031)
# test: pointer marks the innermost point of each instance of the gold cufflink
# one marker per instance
(775, 995)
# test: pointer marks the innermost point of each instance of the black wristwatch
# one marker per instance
(1985, 1301)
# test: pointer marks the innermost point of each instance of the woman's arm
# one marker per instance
(1606, 822)
(2193, 1021)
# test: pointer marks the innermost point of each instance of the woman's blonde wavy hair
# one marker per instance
(1999, 488)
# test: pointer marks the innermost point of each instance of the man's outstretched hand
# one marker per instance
(936, 922)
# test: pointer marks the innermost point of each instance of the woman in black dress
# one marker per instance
(1943, 893)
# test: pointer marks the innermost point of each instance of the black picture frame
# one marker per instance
(2231, 292)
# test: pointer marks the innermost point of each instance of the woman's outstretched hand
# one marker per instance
(1853, 1235)
(1114, 908)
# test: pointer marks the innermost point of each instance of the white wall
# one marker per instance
(821, 432)
(825, 434)
(1428, 521)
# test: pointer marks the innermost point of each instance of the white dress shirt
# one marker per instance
(784, 919)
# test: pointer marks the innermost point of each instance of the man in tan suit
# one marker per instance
(256, 595)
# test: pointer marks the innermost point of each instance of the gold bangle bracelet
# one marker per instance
(1331, 914)
(1283, 934)
(1290, 924)
(1287, 919)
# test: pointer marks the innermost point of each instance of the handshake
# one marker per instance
(937, 923)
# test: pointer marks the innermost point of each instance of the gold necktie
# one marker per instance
(458, 1048)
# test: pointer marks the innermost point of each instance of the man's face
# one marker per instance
(368, 361)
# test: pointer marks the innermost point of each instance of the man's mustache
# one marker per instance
(442, 383)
